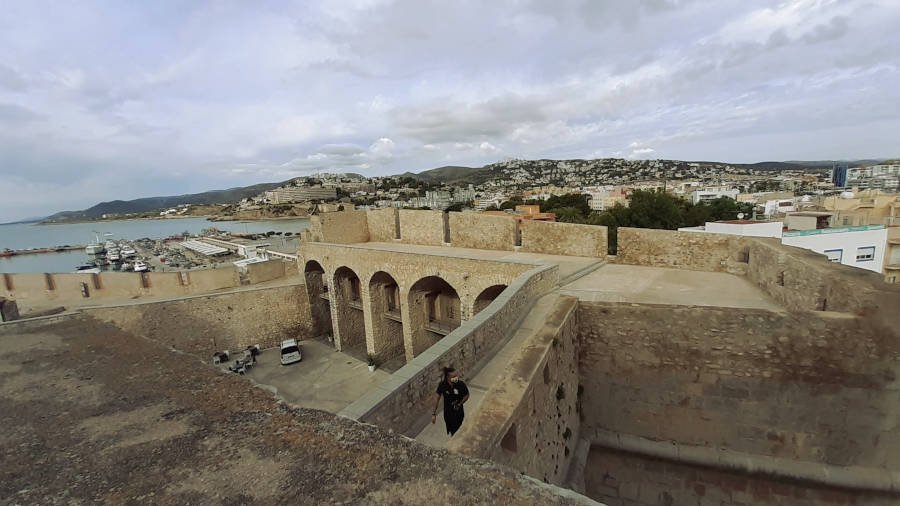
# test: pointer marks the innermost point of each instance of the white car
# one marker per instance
(290, 352)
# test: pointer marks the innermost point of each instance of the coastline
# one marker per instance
(208, 217)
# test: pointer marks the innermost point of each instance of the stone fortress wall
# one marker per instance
(736, 390)
(463, 230)
(203, 324)
(808, 394)
(36, 291)
(659, 404)
(531, 419)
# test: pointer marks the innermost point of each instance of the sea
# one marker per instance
(18, 236)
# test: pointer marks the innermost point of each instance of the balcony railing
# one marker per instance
(355, 304)
(393, 314)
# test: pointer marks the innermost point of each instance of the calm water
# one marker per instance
(29, 235)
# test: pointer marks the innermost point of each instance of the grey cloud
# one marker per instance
(11, 80)
(16, 114)
(833, 30)
(446, 121)
(341, 149)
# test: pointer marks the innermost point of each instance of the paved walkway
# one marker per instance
(657, 285)
(325, 379)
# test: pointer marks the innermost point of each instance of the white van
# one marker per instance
(290, 352)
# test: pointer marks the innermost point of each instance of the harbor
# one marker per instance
(34, 251)
(30, 247)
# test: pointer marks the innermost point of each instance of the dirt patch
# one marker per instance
(19, 343)
(231, 478)
(142, 425)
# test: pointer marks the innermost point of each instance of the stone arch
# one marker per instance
(487, 296)
(387, 326)
(434, 311)
(349, 323)
(317, 291)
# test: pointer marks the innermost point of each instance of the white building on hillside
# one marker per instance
(863, 247)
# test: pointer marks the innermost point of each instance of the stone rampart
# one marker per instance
(403, 402)
(529, 420)
(682, 250)
(382, 224)
(342, 227)
(421, 227)
(482, 231)
(802, 280)
(754, 382)
(563, 239)
(267, 271)
(33, 291)
(227, 321)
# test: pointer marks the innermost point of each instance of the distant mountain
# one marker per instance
(453, 174)
(804, 164)
(148, 204)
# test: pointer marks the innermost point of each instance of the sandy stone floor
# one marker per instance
(658, 285)
(91, 414)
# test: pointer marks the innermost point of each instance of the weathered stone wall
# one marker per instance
(804, 280)
(529, 420)
(421, 227)
(342, 227)
(682, 250)
(482, 231)
(564, 239)
(615, 477)
(228, 321)
(34, 291)
(402, 403)
(750, 381)
(266, 271)
(382, 224)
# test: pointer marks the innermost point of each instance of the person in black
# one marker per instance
(455, 394)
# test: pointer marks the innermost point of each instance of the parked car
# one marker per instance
(290, 352)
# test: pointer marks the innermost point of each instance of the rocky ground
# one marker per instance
(93, 414)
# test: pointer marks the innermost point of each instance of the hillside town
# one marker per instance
(849, 213)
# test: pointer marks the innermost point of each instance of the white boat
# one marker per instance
(94, 249)
(128, 251)
(113, 255)
(140, 266)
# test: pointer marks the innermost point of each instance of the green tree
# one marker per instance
(655, 209)
(567, 214)
(578, 201)
(724, 208)
(511, 203)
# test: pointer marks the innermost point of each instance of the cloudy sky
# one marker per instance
(106, 100)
